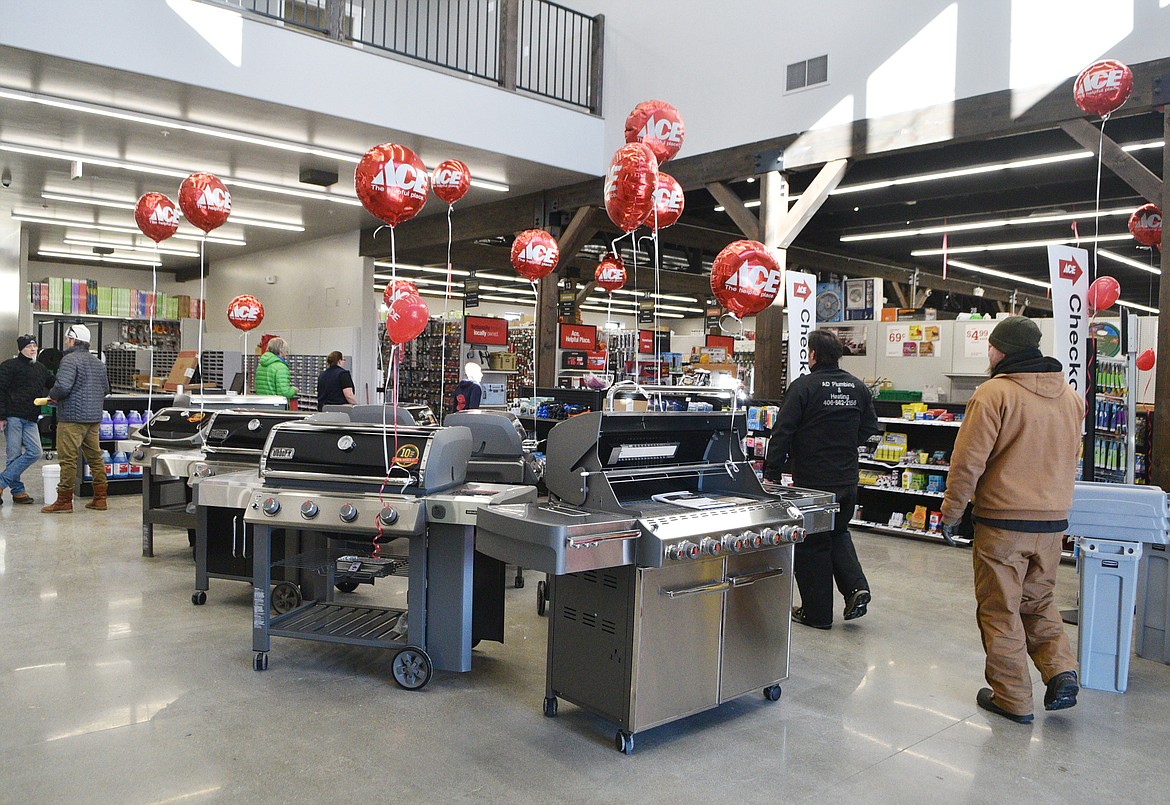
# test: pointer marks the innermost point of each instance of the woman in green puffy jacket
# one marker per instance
(272, 373)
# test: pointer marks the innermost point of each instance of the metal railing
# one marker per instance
(536, 46)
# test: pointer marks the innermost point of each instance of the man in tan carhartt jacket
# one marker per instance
(1016, 457)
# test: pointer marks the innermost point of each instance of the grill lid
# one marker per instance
(244, 432)
(174, 426)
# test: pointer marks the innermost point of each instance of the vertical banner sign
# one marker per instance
(566, 304)
(645, 313)
(471, 291)
(712, 316)
(1068, 270)
(802, 317)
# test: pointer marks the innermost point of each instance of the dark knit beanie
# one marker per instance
(23, 341)
(1015, 334)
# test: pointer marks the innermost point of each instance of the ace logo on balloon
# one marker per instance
(670, 198)
(664, 130)
(539, 255)
(215, 199)
(762, 280)
(164, 216)
(401, 176)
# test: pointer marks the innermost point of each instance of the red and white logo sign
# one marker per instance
(801, 319)
(801, 290)
(540, 255)
(164, 215)
(1070, 288)
(402, 176)
(245, 312)
(668, 131)
(759, 279)
(486, 331)
(1070, 270)
(578, 336)
(215, 199)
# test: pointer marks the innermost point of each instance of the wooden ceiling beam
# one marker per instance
(1125, 166)
(824, 183)
(740, 215)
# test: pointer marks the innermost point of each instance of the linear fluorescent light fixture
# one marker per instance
(1136, 306)
(1128, 261)
(148, 249)
(1019, 244)
(991, 224)
(992, 272)
(158, 121)
(173, 173)
(96, 258)
(118, 204)
(125, 230)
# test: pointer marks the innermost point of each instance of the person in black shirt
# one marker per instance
(335, 384)
(469, 392)
(826, 415)
(22, 380)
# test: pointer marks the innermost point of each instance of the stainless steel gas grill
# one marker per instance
(328, 483)
(171, 442)
(670, 567)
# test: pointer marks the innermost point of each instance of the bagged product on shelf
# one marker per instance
(917, 518)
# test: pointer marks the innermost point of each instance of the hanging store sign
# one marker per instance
(802, 318)
(1068, 272)
(471, 292)
(481, 330)
(646, 344)
(566, 304)
(645, 313)
(578, 336)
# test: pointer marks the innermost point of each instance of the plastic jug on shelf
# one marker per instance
(120, 425)
(121, 465)
(109, 462)
(86, 471)
(106, 428)
(133, 421)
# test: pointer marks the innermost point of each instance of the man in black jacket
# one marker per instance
(22, 380)
(826, 415)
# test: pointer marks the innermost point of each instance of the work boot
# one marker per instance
(64, 503)
(99, 497)
(23, 497)
(1062, 691)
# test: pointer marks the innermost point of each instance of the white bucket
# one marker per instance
(51, 476)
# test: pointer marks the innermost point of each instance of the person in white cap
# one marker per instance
(79, 392)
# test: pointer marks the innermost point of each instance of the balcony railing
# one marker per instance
(535, 46)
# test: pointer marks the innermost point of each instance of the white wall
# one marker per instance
(726, 73)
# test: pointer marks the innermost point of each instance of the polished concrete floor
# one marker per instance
(114, 688)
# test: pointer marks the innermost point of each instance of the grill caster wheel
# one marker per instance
(772, 693)
(199, 598)
(411, 668)
(346, 586)
(550, 706)
(285, 597)
(623, 742)
(260, 661)
(519, 580)
(541, 597)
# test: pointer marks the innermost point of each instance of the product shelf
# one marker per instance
(894, 466)
(893, 420)
(901, 491)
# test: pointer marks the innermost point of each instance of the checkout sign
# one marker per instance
(1070, 288)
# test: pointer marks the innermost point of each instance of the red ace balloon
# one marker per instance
(535, 254)
(397, 289)
(1145, 360)
(406, 318)
(205, 201)
(1103, 87)
(668, 202)
(1103, 293)
(610, 273)
(746, 278)
(659, 125)
(392, 183)
(245, 312)
(157, 216)
(1146, 225)
(629, 186)
(451, 180)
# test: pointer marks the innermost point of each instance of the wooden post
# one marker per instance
(509, 45)
(335, 19)
(1160, 456)
(596, 56)
(769, 368)
(546, 333)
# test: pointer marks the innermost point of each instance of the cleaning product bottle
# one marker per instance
(86, 471)
(121, 465)
(106, 428)
(120, 426)
(133, 422)
(135, 470)
(109, 462)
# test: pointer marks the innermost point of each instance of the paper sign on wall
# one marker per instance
(975, 339)
(896, 336)
(1068, 271)
(802, 317)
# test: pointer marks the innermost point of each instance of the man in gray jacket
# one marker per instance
(79, 392)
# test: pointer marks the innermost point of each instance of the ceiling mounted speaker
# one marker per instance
(103, 249)
(321, 178)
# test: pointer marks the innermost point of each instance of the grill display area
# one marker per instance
(670, 567)
(328, 484)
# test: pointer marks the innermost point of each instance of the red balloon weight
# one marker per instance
(1146, 225)
(392, 183)
(668, 202)
(610, 273)
(245, 312)
(205, 201)
(535, 254)
(746, 278)
(406, 318)
(1145, 360)
(397, 289)
(157, 216)
(629, 186)
(659, 125)
(1103, 87)
(1103, 293)
(451, 180)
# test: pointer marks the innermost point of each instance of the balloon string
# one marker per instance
(535, 337)
(150, 311)
(202, 321)
(1097, 217)
(443, 329)
(637, 359)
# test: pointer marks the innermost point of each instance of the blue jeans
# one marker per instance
(24, 448)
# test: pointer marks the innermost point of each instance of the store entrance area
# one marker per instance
(117, 687)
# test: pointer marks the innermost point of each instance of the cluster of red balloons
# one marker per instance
(1146, 225)
(636, 191)
(245, 312)
(205, 202)
(406, 312)
(746, 277)
(1103, 87)
(392, 182)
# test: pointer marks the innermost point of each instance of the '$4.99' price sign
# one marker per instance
(975, 339)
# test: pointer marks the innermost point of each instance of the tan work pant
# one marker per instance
(73, 439)
(1015, 575)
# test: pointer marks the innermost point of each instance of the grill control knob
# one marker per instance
(753, 540)
(388, 516)
(271, 506)
(771, 536)
(798, 534)
(309, 510)
(711, 546)
(684, 550)
(732, 543)
(348, 513)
